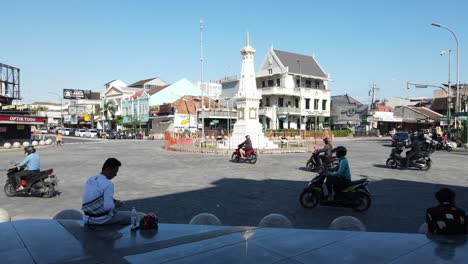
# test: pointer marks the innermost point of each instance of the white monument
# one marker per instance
(248, 101)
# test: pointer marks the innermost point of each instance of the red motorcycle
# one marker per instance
(249, 156)
(313, 165)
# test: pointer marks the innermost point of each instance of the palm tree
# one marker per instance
(109, 112)
(36, 110)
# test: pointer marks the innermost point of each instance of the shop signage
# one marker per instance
(73, 94)
(22, 119)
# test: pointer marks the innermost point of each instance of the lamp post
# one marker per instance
(420, 85)
(61, 107)
(458, 65)
(449, 99)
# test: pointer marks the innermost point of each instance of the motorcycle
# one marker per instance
(421, 161)
(313, 165)
(444, 145)
(356, 195)
(42, 183)
(249, 156)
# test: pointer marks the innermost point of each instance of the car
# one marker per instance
(92, 133)
(80, 132)
(401, 139)
(65, 131)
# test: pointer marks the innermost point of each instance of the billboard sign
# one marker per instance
(73, 94)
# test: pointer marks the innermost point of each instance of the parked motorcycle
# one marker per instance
(421, 161)
(42, 183)
(250, 156)
(444, 145)
(313, 165)
(356, 196)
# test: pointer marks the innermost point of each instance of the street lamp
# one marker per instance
(458, 67)
(61, 107)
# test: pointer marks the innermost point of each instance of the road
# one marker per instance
(178, 185)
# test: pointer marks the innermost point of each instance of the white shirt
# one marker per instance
(95, 187)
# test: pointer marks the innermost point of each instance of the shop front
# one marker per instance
(18, 127)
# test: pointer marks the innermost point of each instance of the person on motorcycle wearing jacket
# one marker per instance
(339, 176)
(245, 146)
(32, 163)
(416, 145)
(326, 150)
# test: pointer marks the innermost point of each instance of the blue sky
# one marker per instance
(84, 44)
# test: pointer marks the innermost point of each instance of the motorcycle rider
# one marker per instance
(338, 176)
(416, 144)
(245, 146)
(326, 149)
(32, 163)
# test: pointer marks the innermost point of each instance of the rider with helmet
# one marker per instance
(326, 149)
(32, 163)
(245, 146)
(417, 142)
(338, 176)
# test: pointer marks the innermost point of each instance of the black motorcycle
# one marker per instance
(421, 161)
(356, 195)
(40, 183)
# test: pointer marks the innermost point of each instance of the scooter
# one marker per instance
(444, 145)
(42, 183)
(421, 161)
(249, 156)
(313, 165)
(356, 195)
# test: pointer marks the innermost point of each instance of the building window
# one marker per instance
(298, 83)
(270, 83)
(308, 84)
(270, 71)
(268, 101)
(307, 104)
(316, 103)
(296, 102)
(324, 104)
(280, 102)
(317, 85)
(263, 83)
(261, 103)
(278, 82)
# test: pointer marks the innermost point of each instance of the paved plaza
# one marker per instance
(178, 185)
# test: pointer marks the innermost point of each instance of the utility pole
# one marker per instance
(201, 78)
(372, 93)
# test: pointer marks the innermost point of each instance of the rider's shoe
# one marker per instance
(20, 188)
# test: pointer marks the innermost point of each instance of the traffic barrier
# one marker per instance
(7, 145)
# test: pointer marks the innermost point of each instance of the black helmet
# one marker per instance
(326, 140)
(247, 136)
(29, 150)
(340, 151)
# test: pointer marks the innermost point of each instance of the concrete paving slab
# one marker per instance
(16, 256)
(9, 234)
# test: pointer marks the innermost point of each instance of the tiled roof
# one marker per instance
(137, 94)
(141, 82)
(191, 104)
(427, 112)
(157, 89)
(307, 64)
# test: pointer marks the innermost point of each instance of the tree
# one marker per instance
(36, 110)
(109, 112)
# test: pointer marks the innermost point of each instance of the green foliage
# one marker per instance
(36, 110)
(342, 133)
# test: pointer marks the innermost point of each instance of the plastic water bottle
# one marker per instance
(133, 218)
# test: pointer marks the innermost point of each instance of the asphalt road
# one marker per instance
(178, 186)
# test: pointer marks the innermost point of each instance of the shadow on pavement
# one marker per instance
(398, 205)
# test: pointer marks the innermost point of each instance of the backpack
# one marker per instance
(150, 221)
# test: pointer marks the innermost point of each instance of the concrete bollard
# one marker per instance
(34, 143)
(275, 220)
(41, 143)
(69, 214)
(422, 229)
(16, 145)
(25, 144)
(205, 219)
(48, 141)
(347, 223)
(7, 145)
(4, 216)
